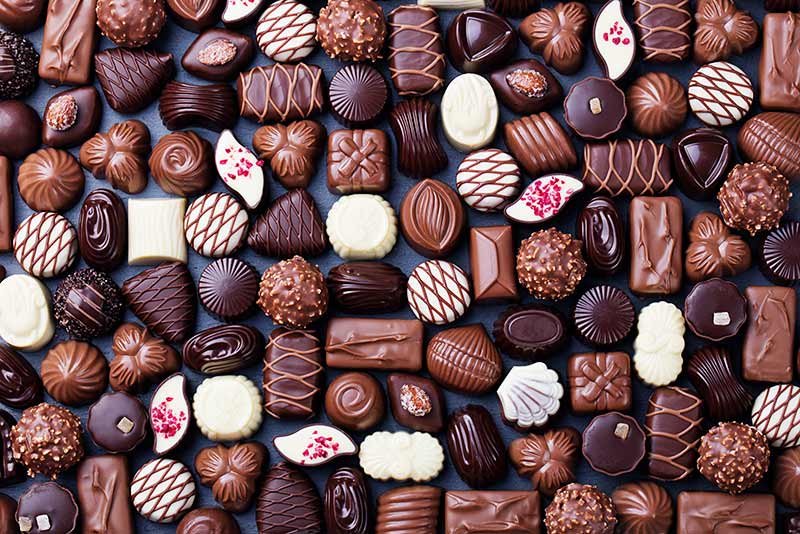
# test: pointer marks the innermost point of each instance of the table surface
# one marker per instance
(175, 39)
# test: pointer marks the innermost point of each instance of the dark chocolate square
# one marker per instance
(487, 511)
(599, 382)
(433, 421)
(358, 162)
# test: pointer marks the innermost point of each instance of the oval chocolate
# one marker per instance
(432, 218)
(464, 359)
(346, 503)
(363, 287)
(531, 332)
(223, 349)
(602, 234)
(20, 385)
(103, 230)
(476, 447)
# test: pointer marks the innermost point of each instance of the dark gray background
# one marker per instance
(174, 39)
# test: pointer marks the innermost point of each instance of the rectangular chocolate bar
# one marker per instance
(280, 92)
(768, 341)
(358, 162)
(492, 511)
(491, 256)
(599, 381)
(416, 53)
(628, 167)
(701, 512)
(656, 237)
(663, 28)
(385, 344)
(104, 495)
(68, 42)
(673, 424)
(293, 374)
(779, 69)
(6, 204)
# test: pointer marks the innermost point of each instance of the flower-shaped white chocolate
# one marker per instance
(659, 344)
(401, 456)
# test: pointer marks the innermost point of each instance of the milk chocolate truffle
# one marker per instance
(19, 64)
(50, 180)
(47, 440)
(74, 372)
(351, 30)
(182, 164)
(208, 521)
(786, 477)
(657, 104)
(643, 508)
(734, 456)
(20, 129)
(132, 23)
(87, 304)
(550, 264)
(293, 293)
(754, 197)
(580, 508)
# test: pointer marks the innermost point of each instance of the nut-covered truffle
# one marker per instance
(351, 30)
(754, 197)
(550, 264)
(75, 372)
(293, 293)
(18, 66)
(580, 509)
(131, 23)
(87, 304)
(657, 104)
(47, 440)
(734, 456)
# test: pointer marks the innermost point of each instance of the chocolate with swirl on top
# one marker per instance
(663, 28)
(602, 234)
(182, 164)
(20, 385)
(223, 349)
(386, 344)
(293, 374)
(416, 53)
(280, 92)
(673, 425)
(364, 287)
(419, 152)
(186, 105)
(346, 502)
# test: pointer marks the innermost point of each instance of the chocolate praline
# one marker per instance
(355, 401)
(103, 230)
(657, 104)
(754, 197)
(19, 64)
(701, 158)
(724, 397)
(613, 443)
(208, 520)
(182, 164)
(550, 264)
(785, 479)
(479, 41)
(223, 349)
(531, 332)
(715, 309)
(358, 95)
(293, 293)
(71, 117)
(595, 108)
(74, 372)
(131, 24)
(603, 316)
(352, 30)
(733, 456)
(47, 508)
(32, 442)
(228, 288)
(526, 86)
(779, 254)
(88, 304)
(20, 129)
(580, 504)
(20, 385)
(346, 502)
(117, 422)
(417, 402)
(218, 54)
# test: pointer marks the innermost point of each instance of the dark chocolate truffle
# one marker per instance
(580, 508)
(734, 456)
(603, 316)
(779, 254)
(47, 440)
(74, 372)
(293, 293)
(550, 264)
(87, 304)
(228, 288)
(19, 63)
(20, 128)
(352, 30)
(754, 197)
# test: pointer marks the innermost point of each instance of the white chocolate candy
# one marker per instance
(45, 244)
(401, 456)
(776, 413)
(227, 408)
(720, 93)
(170, 415)
(240, 170)
(659, 345)
(25, 319)
(215, 225)
(543, 199)
(438, 292)
(362, 227)
(314, 445)
(238, 12)
(155, 230)
(488, 179)
(286, 31)
(469, 112)
(162, 490)
(613, 40)
(530, 394)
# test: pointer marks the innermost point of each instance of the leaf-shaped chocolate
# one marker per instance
(432, 218)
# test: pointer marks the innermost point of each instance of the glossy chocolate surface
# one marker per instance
(602, 233)
(701, 157)
(479, 41)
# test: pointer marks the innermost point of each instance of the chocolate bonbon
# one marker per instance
(170, 415)
(701, 158)
(774, 138)
(227, 408)
(240, 170)
(103, 230)
(613, 443)
(139, 359)
(22, 17)
(595, 108)
(50, 180)
(162, 490)
(215, 225)
(358, 95)
(293, 374)
(358, 161)
(780, 59)
(659, 344)
(285, 31)
(26, 300)
(599, 382)
(784, 481)
(117, 422)
(228, 289)
(713, 250)
(218, 54)
(492, 263)
(355, 401)
(557, 34)
(129, 26)
(20, 385)
(715, 309)
(657, 104)
(71, 117)
(540, 144)
(104, 495)
(733, 456)
(464, 359)
(767, 349)
(210, 519)
(47, 508)
(475, 446)
(19, 60)
(601, 231)
(627, 167)
(416, 402)
(706, 511)
(223, 349)
(292, 225)
(416, 58)
(10, 471)
(87, 304)
(346, 502)
(775, 414)
(469, 112)
(33, 446)
(232, 472)
(360, 343)
(432, 218)
(673, 424)
(280, 92)
(119, 156)
(351, 30)
(550, 264)
(531, 332)
(526, 86)
(292, 150)
(720, 93)
(438, 292)
(419, 153)
(21, 129)
(487, 179)
(74, 372)
(603, 316)
(775, 259)
(643, 508)
(724, 397)
(656, 240)
(409, 509)
(186, 105)
(293, 293)
(612, 37)
(131, 79)
(722, 30)
(45, 244)
(549, 459)
(401, 456)
(314, 445)
(288, 501)
(663, 29)
(583, 505)
(361, 227)
(156, 216)
(6, 204)
(543, 199)
(472, 511)
(480, 41)
(367, 287)
(529, 395)
(68, 42)
(195, 15)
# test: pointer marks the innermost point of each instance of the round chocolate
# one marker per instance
(88, 304)
(117, 422)
(355, 401)
(33, 445)
(613, 443)
(103, 230)
(531, 332)
(74, 372)
(208, 521)
(754, 197)
(779, 254)
(47, 508)
(358, 95)
(182, 164)
(715, 309)
(352, 30)
(733, 456)
(550, 264)
(228, 288)
(20, 128)
(293, 293)
(131, 24)
(480, 41)
(595, 108)
(701, 158)
(643, 508)
(50, 180)
(580, 504)
(19, 64)
(365, 287)
(603, 316)
(657, 104)
(71, 117)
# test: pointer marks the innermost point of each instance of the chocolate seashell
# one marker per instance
(773, 137)
(476, 447)
(464, 359)
(20, 385)
(288, 502)
(643, 508)
(103, 230)
(182, 163)
(223, 349)
(710, 372)
(419, 152)
(432, 218)
(132, 78)
(186, 105)
(601, 231)
(366, 287)
(346, 502)
(531, 332)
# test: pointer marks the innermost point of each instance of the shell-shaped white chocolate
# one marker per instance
(469, 112)
(25, 319)
(315, 445)
(488, 179)
(543, 198)
(438, 292)
(46, 244)
(215, 225)
(239, 169)
(162, 490)
(362, 227)
(659, 345)
(286, 31)
(530, 394)
(401, 456)
(720, 93)
(776, 413)
(613, 40)
(227, 408)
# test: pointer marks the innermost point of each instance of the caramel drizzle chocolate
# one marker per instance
(287, 392)
(660, 264)
(284, 92)
(642, 170)
(687, 422)
(405, 57)
(355, 347)
(663, 29)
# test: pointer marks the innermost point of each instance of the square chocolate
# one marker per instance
(780, 62)
(485, 511)
(599, 382)
(358, 162)
(656, 237)
(712, 511)
(491, 256)
(767, 351)
(416, 402)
